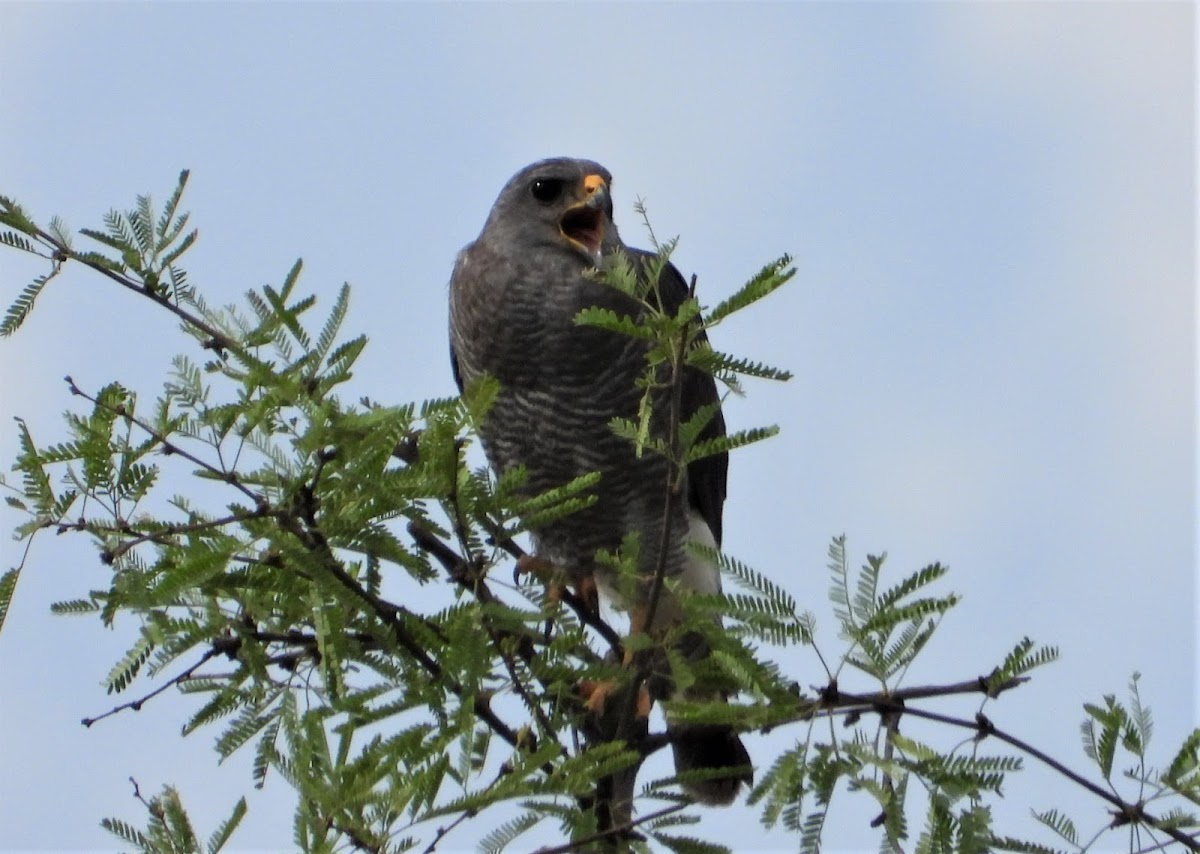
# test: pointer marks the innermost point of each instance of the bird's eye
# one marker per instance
(546, 190)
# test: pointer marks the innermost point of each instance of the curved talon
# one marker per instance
(551, 575)
(538, 567)
(589, 592)
(595, 693)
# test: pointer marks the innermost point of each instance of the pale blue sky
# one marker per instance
(992, 326)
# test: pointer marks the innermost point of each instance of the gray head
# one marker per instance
(561, 204)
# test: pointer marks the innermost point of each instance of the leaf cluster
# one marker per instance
(269, 539)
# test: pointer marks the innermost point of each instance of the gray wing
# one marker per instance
(460, 288)
(706, 476)
(454, 368)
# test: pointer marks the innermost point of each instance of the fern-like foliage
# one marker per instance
(268, 539)
(887, 628)
(1022, 659)
(169, 828)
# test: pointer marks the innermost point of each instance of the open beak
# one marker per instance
(583, 223)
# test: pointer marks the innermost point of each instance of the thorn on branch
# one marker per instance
(890, 711)
(217, 344)
(64, 527)
(1127, 814)
(227, 646)
(829, 694)
(407, 449)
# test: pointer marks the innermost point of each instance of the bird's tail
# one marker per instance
(715, 749)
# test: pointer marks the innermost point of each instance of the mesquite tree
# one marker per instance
(275, 598)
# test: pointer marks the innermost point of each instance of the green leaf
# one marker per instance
(722, 365)
(168, 230)
(766, 281)
(1010, 843)
(731, 442)
(125, 671)
(1185, 763)
(1059, 823)
(75, 607)
(330, 330)
(127, 832)
(17, 241)
(688, 844)
(1102, 748)
(8, 585)
(14, 216)
(623, 324)
(1021, 660)
(23, 304)
(504, 835)
(1141, 722)
(226, 828)
(247, 725)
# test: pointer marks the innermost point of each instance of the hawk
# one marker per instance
(514, 295)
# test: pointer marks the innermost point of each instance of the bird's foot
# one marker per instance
(595, 694)
(588, 592)
(552, 577)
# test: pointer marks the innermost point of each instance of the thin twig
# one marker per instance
(136, 705)
(444, 831)
(391, 615)
(675, 468)
(464, 574)
(1159, 847)
(215, 336)
(585, 614)
(619, 830)
(1123, 813)
(315, 542)
(165, 535)
(168, 446)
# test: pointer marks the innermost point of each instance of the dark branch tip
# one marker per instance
(984, 726)
(829, 694)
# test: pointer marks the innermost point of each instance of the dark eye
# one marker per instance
(546, 190)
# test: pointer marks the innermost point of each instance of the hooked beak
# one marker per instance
(583, 223)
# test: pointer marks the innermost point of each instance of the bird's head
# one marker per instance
(561, 203)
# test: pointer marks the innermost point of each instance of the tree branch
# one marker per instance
(610, 833)
(1123, 812)
(136, 705)
(168, 446)
(217, 339)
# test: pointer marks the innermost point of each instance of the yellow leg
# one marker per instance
(596, 693)
(637, 625)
